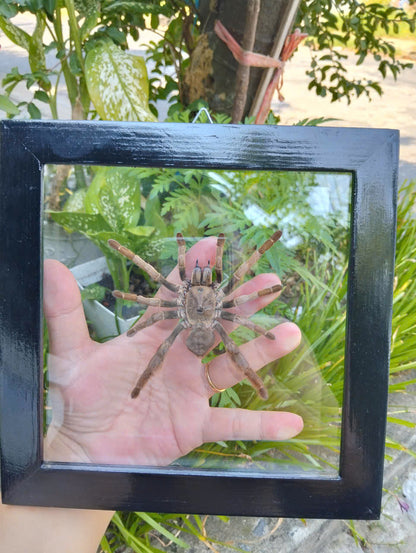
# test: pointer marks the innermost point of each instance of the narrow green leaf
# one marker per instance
(105, 546)
(147, 518)
(402, 422)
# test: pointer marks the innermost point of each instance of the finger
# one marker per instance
(258, 352)
(63, 309)
(241, 424)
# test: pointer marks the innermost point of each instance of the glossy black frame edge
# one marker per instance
(370, 155)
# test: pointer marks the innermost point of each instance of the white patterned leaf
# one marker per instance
(117, 84)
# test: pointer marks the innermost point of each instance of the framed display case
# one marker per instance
(361, 166)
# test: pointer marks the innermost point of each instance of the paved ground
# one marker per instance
(395, 109)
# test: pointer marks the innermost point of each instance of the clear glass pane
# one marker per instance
(89, 413)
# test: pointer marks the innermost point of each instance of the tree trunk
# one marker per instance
(212, 72)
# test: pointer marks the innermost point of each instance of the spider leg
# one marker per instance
(157, 302)
(218, 257)
(248, 297)
(181, 255)
(155, 318)
(137, 260)
(246, 265)
(156, 361)
(240, 361)
(227, 316)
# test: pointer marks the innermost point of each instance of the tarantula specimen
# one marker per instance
(200, 305)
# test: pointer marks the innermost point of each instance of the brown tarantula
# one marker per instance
(199, 306)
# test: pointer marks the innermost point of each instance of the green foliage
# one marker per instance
(154, 533)
(366, 27)
(110, 208)
(91, 24)
(170, 54)
(361, 24)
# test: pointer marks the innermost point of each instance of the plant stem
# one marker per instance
(70, 81)
(74, 31)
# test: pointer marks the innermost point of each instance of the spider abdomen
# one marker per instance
(200, 340)
(200, 313)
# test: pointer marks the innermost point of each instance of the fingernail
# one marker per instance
(293, 336)
(291, 427)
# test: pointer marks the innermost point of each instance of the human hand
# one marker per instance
(96, 420)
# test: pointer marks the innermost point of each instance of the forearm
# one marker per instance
(49, 530)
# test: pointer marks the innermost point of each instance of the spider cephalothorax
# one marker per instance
(199, 306)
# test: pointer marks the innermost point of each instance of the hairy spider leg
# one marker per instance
(240, 361)
(137, 260)
(156, 361)
(155, 318)
(246, 265)
(181, 255)
(248, 297)
(156, 302)
(218, 257)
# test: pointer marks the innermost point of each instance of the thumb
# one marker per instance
(63, 309)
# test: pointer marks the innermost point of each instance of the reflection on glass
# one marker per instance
(90, 414)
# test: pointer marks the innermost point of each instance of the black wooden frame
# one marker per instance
(372, 158)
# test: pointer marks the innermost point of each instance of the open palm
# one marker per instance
(96, 420)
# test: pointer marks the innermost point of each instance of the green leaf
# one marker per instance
(74, 65)
(7, 10)
(8, 106)
(94, 292)
(153, 218)
(154, 21)
(115, 193)
(41, 96)
(76, 201)
(37, 60)
(141, 231)
(89, 23)
(117, 83)
(86, 223)
(15, 34)
(34, 111)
